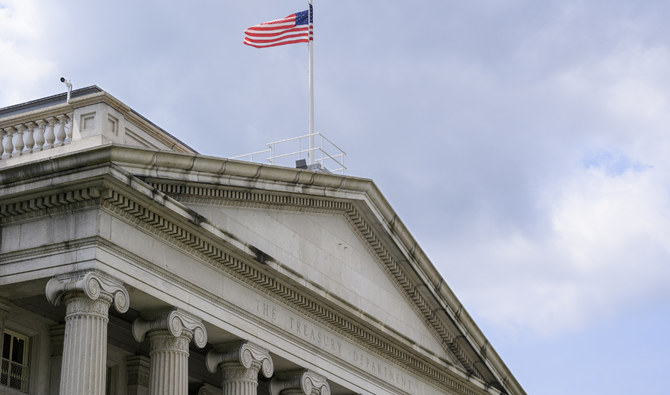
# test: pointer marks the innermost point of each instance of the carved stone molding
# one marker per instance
(177, 322)
(94, 285)
(246, 354)
(300, 382)
(49, 203)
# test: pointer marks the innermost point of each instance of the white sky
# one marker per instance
(524, 143)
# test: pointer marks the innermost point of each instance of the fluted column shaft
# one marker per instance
(87, 297)
(85, 345)
(239, 380)
(168, 374)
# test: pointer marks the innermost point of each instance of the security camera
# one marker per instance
(68, 84)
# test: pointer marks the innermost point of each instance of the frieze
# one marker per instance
(334, 345)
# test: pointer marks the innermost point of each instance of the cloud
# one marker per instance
(22, 66)
(606, 251)
(599, 245)
(551, 199)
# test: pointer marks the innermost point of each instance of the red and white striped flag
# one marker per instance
(293, 29)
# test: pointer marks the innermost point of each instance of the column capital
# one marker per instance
(244, 353)
(93, 284)
(177, 322)
(305, 381)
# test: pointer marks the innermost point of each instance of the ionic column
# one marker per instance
(303, 382)
(240, 363)
(87, 297)
(169, 336)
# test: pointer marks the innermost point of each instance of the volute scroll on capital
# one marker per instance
(176, 321)
(308, 382)
(93, 284)
(245, 353)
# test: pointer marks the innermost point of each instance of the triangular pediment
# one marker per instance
(307, 235)
(258, 220)
(328, 253)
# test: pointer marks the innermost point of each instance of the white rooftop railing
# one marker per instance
(38, 133)
(327, 155)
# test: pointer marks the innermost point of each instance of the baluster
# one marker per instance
(60, 135)
(18, 145)
(29, 139)
(68, 131)
(2, 146)
(9, 145)
(39, 138)
(50, 136)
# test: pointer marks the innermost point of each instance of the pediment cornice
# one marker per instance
(396, 269)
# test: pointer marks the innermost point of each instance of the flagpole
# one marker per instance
(310, 44)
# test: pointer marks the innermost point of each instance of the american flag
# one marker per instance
(290, 30)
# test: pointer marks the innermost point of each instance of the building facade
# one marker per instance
(130, 264)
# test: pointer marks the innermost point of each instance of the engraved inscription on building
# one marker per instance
(334, 345)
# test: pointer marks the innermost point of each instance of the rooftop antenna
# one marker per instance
(67, 83)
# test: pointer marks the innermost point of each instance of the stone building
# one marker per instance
(130, 264)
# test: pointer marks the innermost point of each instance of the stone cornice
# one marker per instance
(273, 180)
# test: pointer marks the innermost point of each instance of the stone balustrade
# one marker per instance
(50, 127)
(35, 134)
